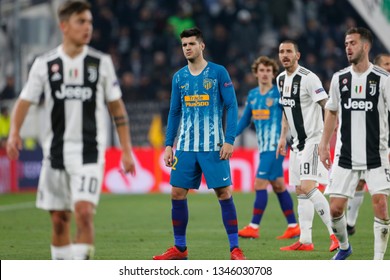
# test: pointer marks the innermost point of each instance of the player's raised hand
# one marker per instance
(168, 156)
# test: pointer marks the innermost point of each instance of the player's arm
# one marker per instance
(230, 101)
(18, 115)
(30, 94)
(120, 119)
(245, 120)
(330, 123)
(283, 135)
(324, 146)
(173, 122)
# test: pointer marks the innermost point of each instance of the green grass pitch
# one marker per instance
(136, 227)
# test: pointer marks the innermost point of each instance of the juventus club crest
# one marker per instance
(92, 73)
(372, 87)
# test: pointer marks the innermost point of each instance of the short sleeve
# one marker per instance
(334, 95)
(34, 86)
(112, 89)
(315, 88)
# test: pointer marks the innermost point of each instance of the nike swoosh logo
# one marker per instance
(225, 178)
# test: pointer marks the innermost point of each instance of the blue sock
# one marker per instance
(179, 222)
(259, 206)
(229, 218)
(286, 204)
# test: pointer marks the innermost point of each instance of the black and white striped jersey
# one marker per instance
(362, 101)
(75, 91)
(299, 94)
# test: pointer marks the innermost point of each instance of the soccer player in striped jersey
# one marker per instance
(263, 107)
(359, 101)
(200, 93)
(76, 81)
(354, 203)
(303, 98)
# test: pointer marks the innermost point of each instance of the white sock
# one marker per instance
(254, 225)
(353, 207)
(61, 252)
(83, 251)
(321, 205)
(381, 237)
(305, 218)
(339, 225)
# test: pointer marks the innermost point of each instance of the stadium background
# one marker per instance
(142, 38)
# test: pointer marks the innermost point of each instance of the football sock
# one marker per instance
(61, 252)
(286, 204)
(321, 205)
(229, 218)
(381, 237)
(339, 226)
(259, 206)
(305, 218)
(353, 207)
(83, 251)
(179, 216)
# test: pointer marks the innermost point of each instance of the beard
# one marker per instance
(358, 57)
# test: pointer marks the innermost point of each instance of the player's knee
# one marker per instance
(60, 221)
(336, 210)
(84, 213)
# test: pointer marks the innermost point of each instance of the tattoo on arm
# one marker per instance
(120, 120)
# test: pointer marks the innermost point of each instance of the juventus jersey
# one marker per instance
(299, 94)
(198, 102)
(362, 101)
(75, 91)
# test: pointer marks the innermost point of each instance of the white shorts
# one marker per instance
(61, 189)
(343, 181)
(306, 165)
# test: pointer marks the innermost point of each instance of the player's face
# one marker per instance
(264, 74)
(192, 48)
(78, 28)
(354, 48)
(385, 63)
(288, 56)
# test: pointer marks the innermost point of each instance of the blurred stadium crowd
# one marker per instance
(142, 36)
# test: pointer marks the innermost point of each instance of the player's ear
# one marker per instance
(298, 55)
(202, 45)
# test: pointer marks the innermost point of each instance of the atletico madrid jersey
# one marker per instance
(266, 113)
(198, 102)
(75, 92)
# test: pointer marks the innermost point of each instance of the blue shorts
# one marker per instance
(270, 167)
(188, 167)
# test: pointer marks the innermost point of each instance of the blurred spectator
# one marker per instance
(8, 91)
(5, 123)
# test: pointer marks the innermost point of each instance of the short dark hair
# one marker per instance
(378, 58)
(289, 41)
(194, 31)
(71, 7)
(364, 33)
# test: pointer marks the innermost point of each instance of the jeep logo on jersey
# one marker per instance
(74, 92)
(358, 105)
(287, 102)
